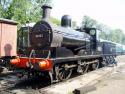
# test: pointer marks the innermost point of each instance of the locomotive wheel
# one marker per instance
(84, 68)
(95, 66)
(104, 62)
(63, 72)
(107, 61)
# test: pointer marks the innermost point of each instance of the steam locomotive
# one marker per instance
(58, 50)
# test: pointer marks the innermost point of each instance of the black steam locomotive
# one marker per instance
(58, 50)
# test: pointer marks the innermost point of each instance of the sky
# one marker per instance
(108, 12)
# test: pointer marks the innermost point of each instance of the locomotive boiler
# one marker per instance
(44, 34)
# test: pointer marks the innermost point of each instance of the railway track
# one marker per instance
(8, 80)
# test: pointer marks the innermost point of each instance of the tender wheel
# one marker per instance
(107, 61)
(95, 66)
(104, 62)
(63, 72)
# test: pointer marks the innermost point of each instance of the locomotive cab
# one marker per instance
(92, 32)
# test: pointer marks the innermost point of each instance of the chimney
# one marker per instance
(46, 11)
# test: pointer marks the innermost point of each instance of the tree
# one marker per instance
(74, 25)
(55, 21)
(4, 4)
(88, 22)
(117, 35)
(104, 31)
(114, 35)
(22, 10)
(123, 39)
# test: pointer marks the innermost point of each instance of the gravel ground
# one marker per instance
(113, 84)
(120, 58)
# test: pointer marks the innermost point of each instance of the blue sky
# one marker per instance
(109, 12)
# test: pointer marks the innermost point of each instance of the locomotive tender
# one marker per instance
(58, 50)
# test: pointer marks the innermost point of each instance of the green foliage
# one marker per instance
(88, 22)
(106, 32)
(74, 24)
(22, 10)
(103, 35)
(117, 35)
(55, 21)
